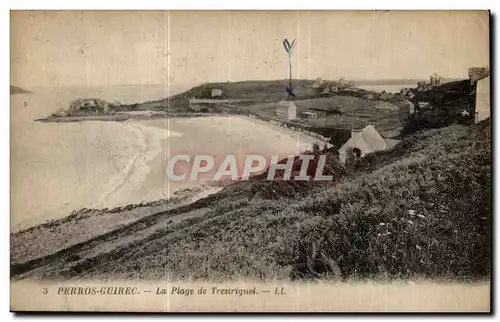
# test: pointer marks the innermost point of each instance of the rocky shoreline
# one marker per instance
(54, 235)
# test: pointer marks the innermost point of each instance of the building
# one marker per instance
(391, 143)
(286, 111)
(216, 92)
(423, 105)
(324, 111)
(362, 142)
(483, 107)
(326, 91)
(480, 92)
(435, 80)
(310, 115)
(477, 73)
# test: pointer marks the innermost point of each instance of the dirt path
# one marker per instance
(88, 236)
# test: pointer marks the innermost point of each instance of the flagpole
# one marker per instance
(289, 48)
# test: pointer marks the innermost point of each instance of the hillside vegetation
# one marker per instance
(254, 91)
(346, 107)
(421, 209)
(448, 101)
(424, 212)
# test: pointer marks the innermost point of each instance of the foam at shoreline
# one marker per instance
(107, 168)
(136, 183)
(120, 189)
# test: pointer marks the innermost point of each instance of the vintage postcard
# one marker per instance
(250, 161)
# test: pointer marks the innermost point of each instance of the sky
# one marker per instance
(101, 48)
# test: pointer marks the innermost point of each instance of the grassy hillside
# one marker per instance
(255, 91)
(353, 107)
(424, 212)
(258, 92)
(422, 209)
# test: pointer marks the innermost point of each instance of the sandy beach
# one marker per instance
(99, 164)
(138, 189)
(144, 179)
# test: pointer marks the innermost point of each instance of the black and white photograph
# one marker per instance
(250, 161)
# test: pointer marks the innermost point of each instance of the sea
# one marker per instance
(387, 88)
(60, 167)
(57, 168)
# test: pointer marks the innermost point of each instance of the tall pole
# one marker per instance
(289, 49)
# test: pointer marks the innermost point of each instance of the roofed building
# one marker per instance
(423, 105)
(313, 114)
(286, 111)
(476, 73)
(483, 105)
(435, 80)
(363, 141)
(480, 92)
(216, 92)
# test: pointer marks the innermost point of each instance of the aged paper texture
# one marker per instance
(250, 161)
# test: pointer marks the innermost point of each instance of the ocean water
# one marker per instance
(387, 88)
(57, 168)
(60, 167)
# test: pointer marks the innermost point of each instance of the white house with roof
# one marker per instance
(216, 92)
(286, 111)
(483, 107)
(365, 141)
(480, 84)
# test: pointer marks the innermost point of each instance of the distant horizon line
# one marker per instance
(362, 81)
